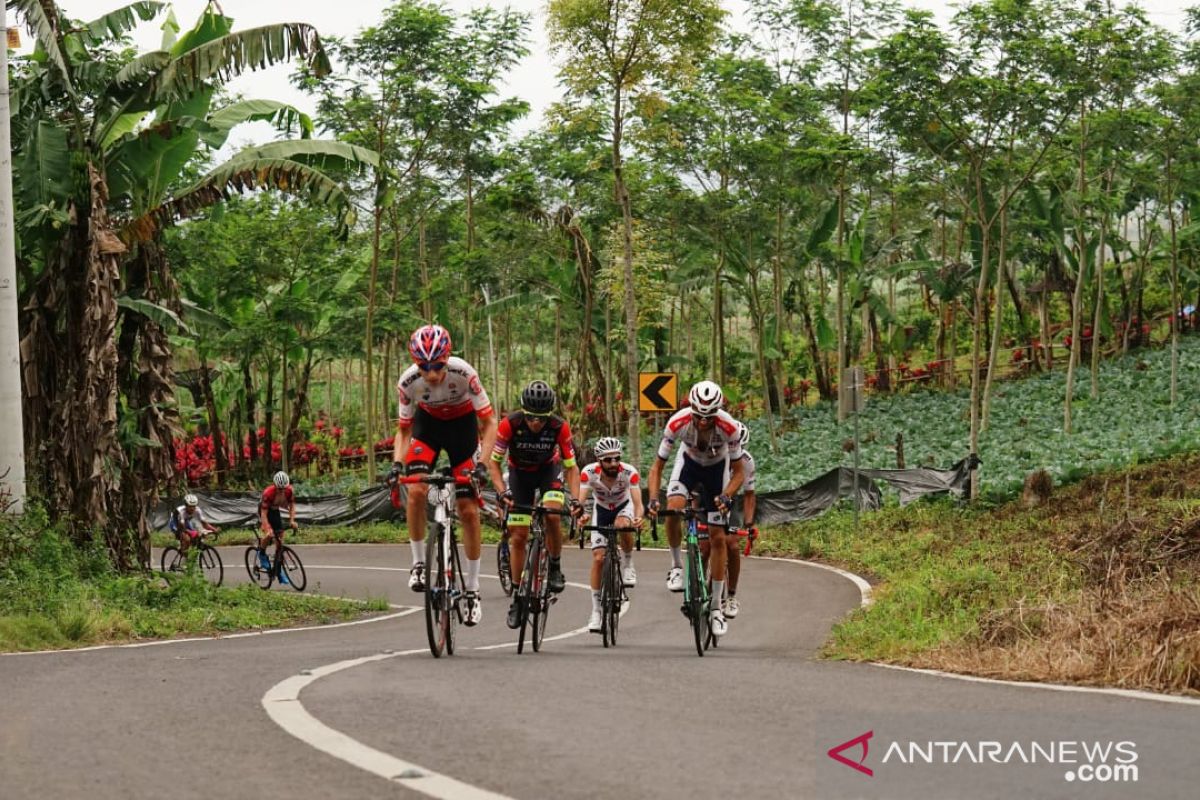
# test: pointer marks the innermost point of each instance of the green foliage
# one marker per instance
(1132, 421)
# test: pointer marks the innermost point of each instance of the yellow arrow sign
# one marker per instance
(657, 391)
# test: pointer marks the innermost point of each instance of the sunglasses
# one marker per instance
(703, 417)
(611, 460)
(431, 366)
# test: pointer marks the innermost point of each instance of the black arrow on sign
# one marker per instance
(651, 392)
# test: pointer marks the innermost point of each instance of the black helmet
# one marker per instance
(537, 398)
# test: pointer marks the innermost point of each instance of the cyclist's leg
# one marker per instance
(625, 544)
(600, 516)
(523, 485)
(462, 440)
(733, 549)
(422, 453)
(552, 497)
(676, 500)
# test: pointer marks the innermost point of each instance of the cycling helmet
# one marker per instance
(608, 446)
(282, 480)
(191, 501)
(537, 398)
(705, 398)
(429, 343)
(744, 435)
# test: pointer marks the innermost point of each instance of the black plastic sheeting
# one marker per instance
(240, 509)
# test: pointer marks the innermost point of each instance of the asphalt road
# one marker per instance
(297, 714)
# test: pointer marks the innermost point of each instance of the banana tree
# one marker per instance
(101, 145)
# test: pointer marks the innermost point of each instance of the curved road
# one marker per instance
(213, 717)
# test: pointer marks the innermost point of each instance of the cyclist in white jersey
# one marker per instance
(617, 493)
(443, 406)
(730, 604)
(708, 437)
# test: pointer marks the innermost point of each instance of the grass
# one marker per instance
(1100, 586)
(53, 595)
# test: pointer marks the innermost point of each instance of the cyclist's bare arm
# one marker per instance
(400, 446)
(736, 475)
(487, 433)
(749, 506)
(652, 483)
(572, 476)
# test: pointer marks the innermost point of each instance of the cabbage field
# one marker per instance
(1132, 421)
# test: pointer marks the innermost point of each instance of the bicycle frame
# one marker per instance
(533, 592)
(612, 586)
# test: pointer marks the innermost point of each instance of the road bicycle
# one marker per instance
(445, 587)
(696, 601)
(201, 553)
(265, 570)
(612, 586)
(533, 595)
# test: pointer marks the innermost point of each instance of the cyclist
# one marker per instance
(188, 523)
(540, 456)
(749, 504)
(275, 497)
(443, 406)
(709, 437)
(618, 502)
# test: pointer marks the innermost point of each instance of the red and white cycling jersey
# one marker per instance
(274, 497)
(748, 471)
(721, 441)
(610, 497)
(458, 393)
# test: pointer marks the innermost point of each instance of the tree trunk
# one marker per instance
(251, 421)
(1174, 279)
(1081, 273)
(220, 449)
(269, 418)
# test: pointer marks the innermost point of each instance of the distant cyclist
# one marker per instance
(277, 496)
(443, 406)
(540, 455)
(618, 502)
(188, 523)
(709, 436)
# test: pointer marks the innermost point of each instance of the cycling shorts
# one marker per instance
(458, 437)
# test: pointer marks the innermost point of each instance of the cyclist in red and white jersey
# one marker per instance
(708, 436)
(618, 502)
(538, 447)
(730, 605)
(443, 406)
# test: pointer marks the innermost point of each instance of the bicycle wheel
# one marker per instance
(608, 623)
(210, 564)
(172, 560)
(436, 593)
(528, 591)
(541, 601)
(452, 599)
(258, 575)
(695, 599)
(504, 567)
(294, 569)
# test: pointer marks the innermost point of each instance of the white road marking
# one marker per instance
(282, 704)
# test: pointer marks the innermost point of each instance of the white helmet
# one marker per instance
(191, 501)
(608, 445)
(282, 480)
(706, 398)
(744, 434)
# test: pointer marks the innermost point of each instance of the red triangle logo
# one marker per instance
(836, 752)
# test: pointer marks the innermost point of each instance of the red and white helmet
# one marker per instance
(706, 398)
(429, 343)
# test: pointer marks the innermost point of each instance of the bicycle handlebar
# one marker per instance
(557, 512)
(437, 480)
(610, 529)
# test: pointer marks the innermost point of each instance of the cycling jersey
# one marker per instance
(528, 450)
(459, 393)
(610, 497)
(705, 448)
(180, 519)
(748, 471)
(274, 497)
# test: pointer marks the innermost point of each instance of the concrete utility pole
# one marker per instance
(12, 439)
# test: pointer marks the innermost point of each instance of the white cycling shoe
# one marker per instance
(594, 621)
(472, 609)
(718, 624)
(629, 577)
(675, 580)
(730, 607)
(416, 577)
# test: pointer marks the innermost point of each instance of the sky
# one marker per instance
(534, 79)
